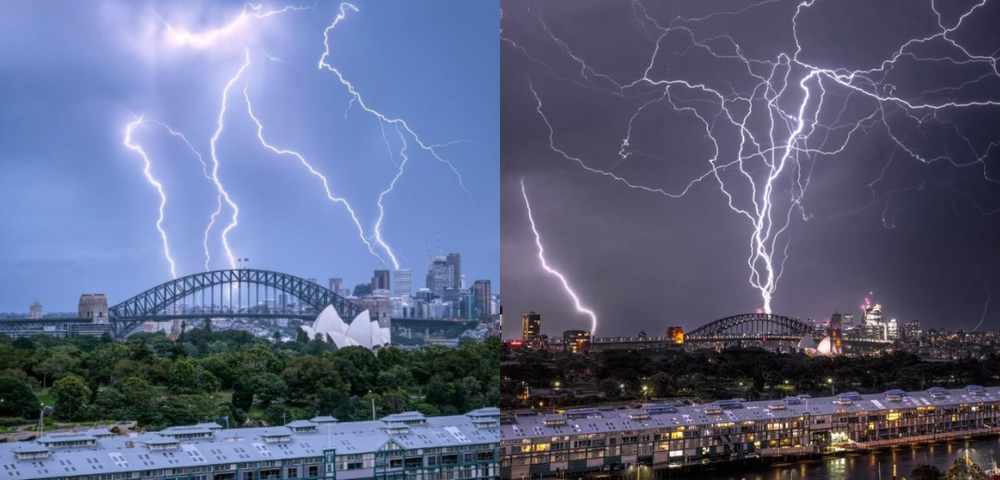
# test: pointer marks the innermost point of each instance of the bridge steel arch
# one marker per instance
(128, 315)
(756, 324)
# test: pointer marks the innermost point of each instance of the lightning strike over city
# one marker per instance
(562, 278)
(327, 142)
(842, 143)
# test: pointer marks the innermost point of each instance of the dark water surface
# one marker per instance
(865, 467)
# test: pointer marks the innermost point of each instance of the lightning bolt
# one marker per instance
(392, 185)
(201, 40)
(986, 304)
(764, 123)
(215, 167)
(204, 170)
(356, 98)
(312, 170)
(156, 184)
(545, 265)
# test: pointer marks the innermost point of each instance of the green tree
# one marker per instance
(56, 367)
(926, 472)
(964, 469)
(16, 398)
(182, 376)
(269, 388)
(71, 394)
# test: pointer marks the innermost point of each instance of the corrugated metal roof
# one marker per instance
(123, 454)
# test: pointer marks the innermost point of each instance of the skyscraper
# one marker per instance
(336, 284)
(455, 261)
(380, 280)
(531, 328)
(482, 299)
(401, 286)
(440, 275)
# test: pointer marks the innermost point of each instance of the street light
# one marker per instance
(832, 390)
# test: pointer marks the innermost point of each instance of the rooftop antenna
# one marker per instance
(438, 233)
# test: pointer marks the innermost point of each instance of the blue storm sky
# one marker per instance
(78, 215)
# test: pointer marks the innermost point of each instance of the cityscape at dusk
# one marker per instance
(690, 162)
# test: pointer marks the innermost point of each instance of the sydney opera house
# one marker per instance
(361, 331)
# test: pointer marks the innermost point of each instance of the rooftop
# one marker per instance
(601, 420)
(160, 450)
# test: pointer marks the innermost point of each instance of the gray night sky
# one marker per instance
(79, 216)
(907, 218)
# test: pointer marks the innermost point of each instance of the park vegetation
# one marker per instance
(231, 375)
(619, 376)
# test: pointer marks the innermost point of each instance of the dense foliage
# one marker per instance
(705, 375)
(206, 375)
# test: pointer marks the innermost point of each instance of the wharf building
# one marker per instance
(403, 446)
(592, 441)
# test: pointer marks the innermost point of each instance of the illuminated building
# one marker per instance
(574, 443)
(911, 330)
(531, 328)
(676, 333)
(576, 341)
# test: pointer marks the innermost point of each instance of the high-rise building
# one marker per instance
(363, 290)
(311, 280)
(531, 328)
(35, 310)
(380, 281)
(576, 341)
(836, 321)
(847, 320)
(401, 286)
(873, 315)
(482, 299)
(336, 284)
(440, 275)
(911, 331)
(455, 261)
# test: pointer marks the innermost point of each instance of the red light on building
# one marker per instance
(515, 343)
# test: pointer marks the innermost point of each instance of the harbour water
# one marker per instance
(867, 466)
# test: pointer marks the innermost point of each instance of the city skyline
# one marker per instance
(674, 155)
(333, 171)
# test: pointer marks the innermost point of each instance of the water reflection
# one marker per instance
(867, 467)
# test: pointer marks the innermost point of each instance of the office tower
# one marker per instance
(482, 299)
(455, 261)
(440, 275)
(836, 321)
(531, 328)
(847, 320)
(401, 286)
(380, 281)
(336, 284)
(363, 290)
(454, 297)
(35, 310)
(576, 341)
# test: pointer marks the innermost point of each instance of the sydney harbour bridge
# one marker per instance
(750, 329)
(237, 294)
